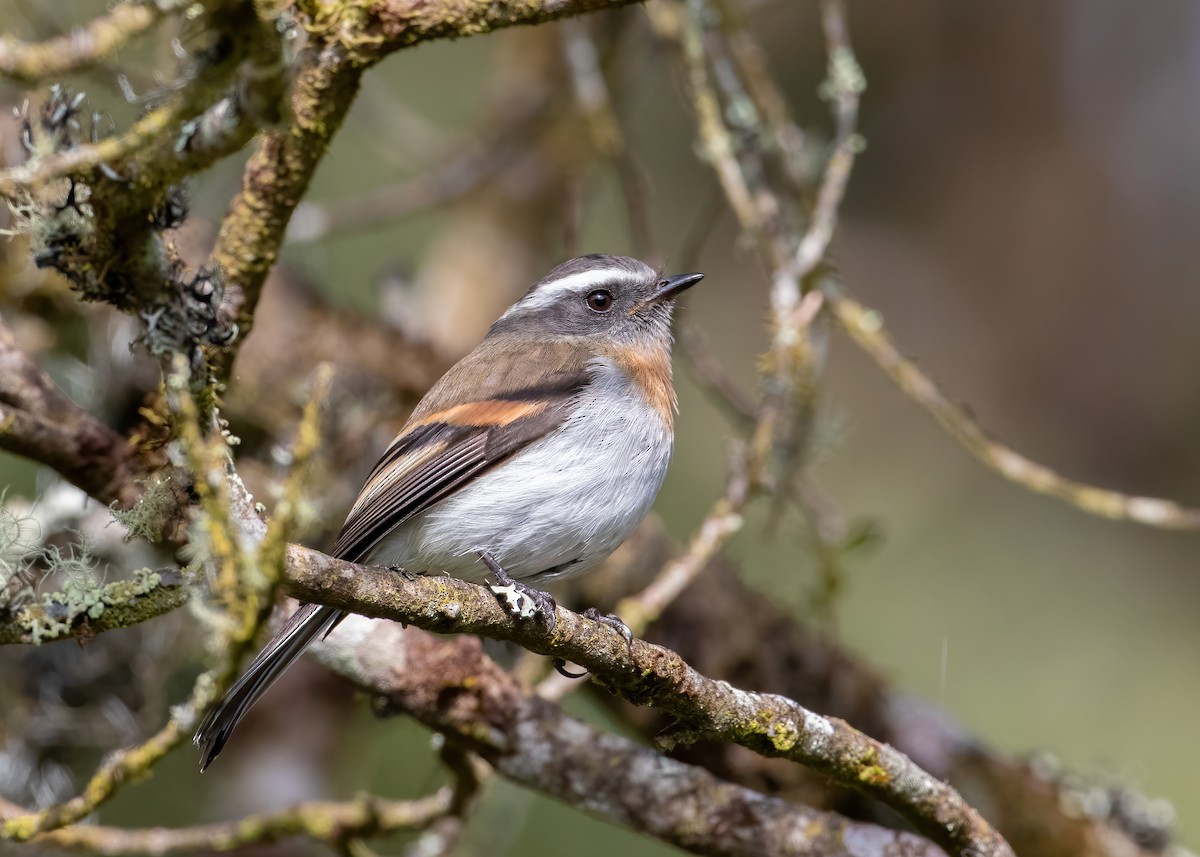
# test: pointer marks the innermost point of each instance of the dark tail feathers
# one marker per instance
(304, 626)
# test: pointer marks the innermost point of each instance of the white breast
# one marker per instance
(555, 509)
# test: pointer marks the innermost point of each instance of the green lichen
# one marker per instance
(143, 582)
(870, 772)
(118, 604)
(783, 735)
(19, 537)
(150, 515)
(79, 569)
(873, 775)
(40, 626)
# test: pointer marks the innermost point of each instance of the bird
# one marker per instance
(530, 461)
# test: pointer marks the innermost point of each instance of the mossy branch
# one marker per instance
(346, 39)
(83, 47)
(121, 604)
(646, 674)
(38, 421)
(225, 552)
(323, 821)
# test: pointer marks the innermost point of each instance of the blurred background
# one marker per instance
(1024, 217)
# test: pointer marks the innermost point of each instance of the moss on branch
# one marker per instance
(326, 821)
(83, 47)
(647, 674)
(76, 612)
(346, 38)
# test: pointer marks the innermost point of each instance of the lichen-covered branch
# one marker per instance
(324, 821)
(451, 686)
(347, 39)
(1036, 814)
(403, 23)
(232, 537)
(646, 674)
(865, 327)
(120, 604)
(84, 46)
(276, 178)
(39, 422)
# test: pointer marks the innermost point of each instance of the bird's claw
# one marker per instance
(520, 600)
(560, 666)
(612, 621)
(410, 576)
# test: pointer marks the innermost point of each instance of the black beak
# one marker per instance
(672, 287)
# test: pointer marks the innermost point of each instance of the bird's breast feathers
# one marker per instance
(559, 503)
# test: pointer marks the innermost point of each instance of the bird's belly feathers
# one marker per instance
(562, 505)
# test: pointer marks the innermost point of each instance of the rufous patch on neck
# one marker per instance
(650, 371)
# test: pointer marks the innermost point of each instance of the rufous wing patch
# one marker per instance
(491, 412)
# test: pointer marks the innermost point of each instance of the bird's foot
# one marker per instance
(410, 576)
(611, 620)
(560, 667)
(520, 600)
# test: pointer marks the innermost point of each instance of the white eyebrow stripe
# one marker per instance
(548, 293)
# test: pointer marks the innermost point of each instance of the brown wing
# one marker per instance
(476, 416)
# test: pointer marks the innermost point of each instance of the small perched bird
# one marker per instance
(530, 461)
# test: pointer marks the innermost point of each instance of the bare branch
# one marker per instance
(324, 821)
(721, 523)
(865, 327)
(517, 121)
(347, 39)
(39, 422)
(449, 685)
(591, 87)
(843, 86)
(646, 674)
(84, 46)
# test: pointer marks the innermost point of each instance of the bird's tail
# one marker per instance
(304, 626)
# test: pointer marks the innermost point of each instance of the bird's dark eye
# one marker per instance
(599, 300)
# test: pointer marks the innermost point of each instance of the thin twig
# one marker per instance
(592, 94)
(712, 377)
(323, 821)
(719, 525)
(865, 327)
(646, 674)
(83, 47)
(471, 775)
(160, 123)
(843, 86)
(453, 178)
(37, 420)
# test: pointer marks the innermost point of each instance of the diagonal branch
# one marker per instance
(646, 674)
(643, 673)
(347, 39)
(865, 327)
(84, 46)
(39, 422)
(319, 820)
(451, 686)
